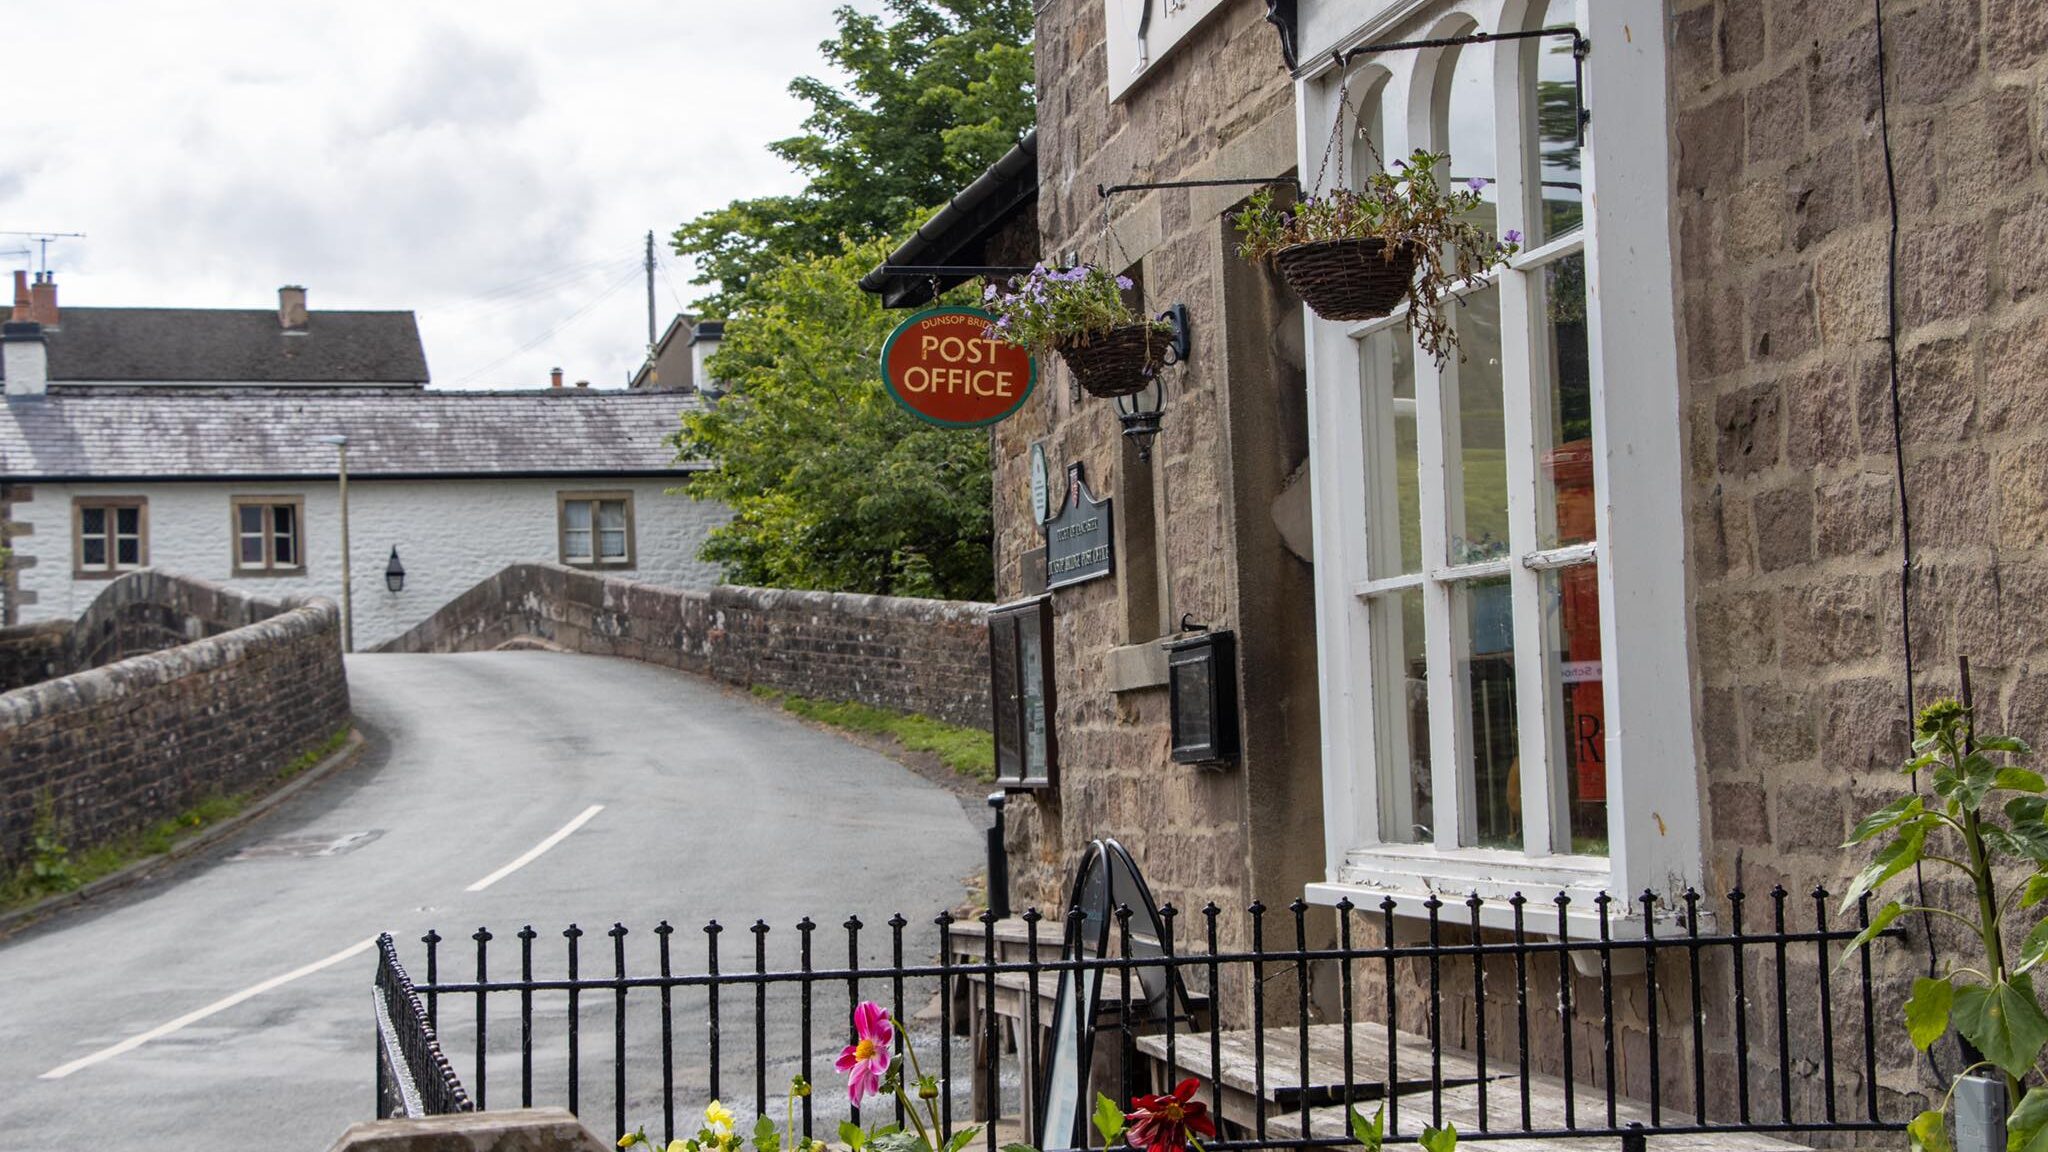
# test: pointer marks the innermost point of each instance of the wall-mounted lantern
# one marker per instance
(1140, 412)
(394, 572)
(1201, 678)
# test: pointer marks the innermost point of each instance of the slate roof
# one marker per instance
(235, 345)
(274, 434)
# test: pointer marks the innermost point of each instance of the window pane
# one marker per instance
(1031, 649)
(92, 552)
(1554, 131)
(1465, 105)
(128, 521)
(1475, 431)
(252, 551)
(284, 535)
(128, 551)
(1393, 479)
(611, 514)
(1483, 630)
(249, 517)
(1362, 148)
(612, 543)
(1562, 362)
(92, 521)
(576, 515)
(1400, 668)
(576, 543)
(1571, 628)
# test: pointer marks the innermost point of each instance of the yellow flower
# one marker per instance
(631, 1139)
(718, 1118)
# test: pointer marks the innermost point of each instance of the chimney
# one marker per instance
(291, 308)
(21, 297)
(583, 383)
(42, 300)
(24, 358)
(554, 377)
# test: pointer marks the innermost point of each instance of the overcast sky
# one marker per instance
(493, 167)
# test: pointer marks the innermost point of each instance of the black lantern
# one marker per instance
(1139, 413)
(394, 572)
(1201, 679)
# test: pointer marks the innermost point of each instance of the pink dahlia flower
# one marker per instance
(866, 1060)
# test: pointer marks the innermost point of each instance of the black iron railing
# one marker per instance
(1671, 1021)
(414, 1078)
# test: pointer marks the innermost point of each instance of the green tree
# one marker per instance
(937, 91)
(832, 485)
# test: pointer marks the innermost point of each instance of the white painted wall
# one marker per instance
(450, 535)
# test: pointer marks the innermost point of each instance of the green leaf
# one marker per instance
(1928, 1132)
(1444, 1139)
(2003, 1021)
(961, 1137)
(1902, 853)
(1370, 1135)
(851, 1135)
(1891, 911)
(2036, 890)
(1018, 1148)
(1108, 1118)
(2033, 949)
(2026, 809)
(2019, 780)
(1887, 817)
(2012, 744)
(2026, 1130)
(898, 1142)
(766, 1139)
(1927, 1011)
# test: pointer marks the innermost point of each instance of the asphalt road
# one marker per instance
(713, 805)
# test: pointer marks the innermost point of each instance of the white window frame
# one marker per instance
(1653, 805)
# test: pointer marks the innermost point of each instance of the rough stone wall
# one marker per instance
(1220, 105)
(116, 747)
(924, 656)
(31, 653)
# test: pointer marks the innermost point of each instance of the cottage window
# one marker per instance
(269, 538)
(110, 535)
(596, 529)
(1500, 560)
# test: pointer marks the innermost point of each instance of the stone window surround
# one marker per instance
(564, 499)
(1653, 802)
(269, 565)
(113, 566)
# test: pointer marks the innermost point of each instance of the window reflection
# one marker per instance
(1563, 362)
(1554, 126)
(1407, 809)
(1476, 432)
(1465, 125)
(1485, 634)
(1571, 627)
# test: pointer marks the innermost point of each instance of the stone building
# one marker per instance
(1613, 601)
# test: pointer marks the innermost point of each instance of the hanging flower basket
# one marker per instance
(1119, 362)
(1360, 279)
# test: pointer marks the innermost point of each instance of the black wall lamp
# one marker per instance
(394, 572)
(1141, 412)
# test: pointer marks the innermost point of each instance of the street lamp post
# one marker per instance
(348, 613)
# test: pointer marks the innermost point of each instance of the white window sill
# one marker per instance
(1410, 875)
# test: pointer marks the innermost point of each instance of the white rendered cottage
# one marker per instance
(202, 442)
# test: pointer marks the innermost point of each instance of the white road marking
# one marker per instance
(534, 853)
(221, 1005)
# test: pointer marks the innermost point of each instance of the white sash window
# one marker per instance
(1500, 549)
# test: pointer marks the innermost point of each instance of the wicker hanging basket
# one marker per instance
(1348, 279)
(1118, 362)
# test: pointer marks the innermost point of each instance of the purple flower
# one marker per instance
(1124, 283)
(1476, 183)
(1511, 236)
(989, 293)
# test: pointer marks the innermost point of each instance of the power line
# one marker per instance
(610, 291)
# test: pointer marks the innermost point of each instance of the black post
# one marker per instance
(998, 862)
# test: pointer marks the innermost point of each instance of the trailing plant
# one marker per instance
(1410, 210)
(1988, 821)
(1048, 309)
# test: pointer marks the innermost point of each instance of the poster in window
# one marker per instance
(1022, 700)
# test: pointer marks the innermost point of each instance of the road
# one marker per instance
(694, 802)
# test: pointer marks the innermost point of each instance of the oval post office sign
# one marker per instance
(944, 369)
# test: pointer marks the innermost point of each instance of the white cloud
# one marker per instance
(492, 167)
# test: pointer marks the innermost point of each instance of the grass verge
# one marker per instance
(967, 751)
(52, 868)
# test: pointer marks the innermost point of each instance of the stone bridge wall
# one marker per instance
(168, 689)
(923, 656)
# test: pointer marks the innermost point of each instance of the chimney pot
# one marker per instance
(21, 296)
(583, 383)
(291, 308)
(554, 377)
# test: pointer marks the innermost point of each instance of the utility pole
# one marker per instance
(650, 291)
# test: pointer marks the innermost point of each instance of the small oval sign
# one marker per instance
(942, 367)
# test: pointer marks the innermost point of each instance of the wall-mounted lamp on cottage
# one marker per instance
(1201, 678)
(1140, 414)
(394, 572)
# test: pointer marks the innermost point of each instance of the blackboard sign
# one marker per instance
(1077, 541)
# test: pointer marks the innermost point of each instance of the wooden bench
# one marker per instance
(1284, 1093)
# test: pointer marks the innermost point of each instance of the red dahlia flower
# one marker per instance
(1162, 1123)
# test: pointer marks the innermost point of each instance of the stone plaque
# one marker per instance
(1041, 486)
(1078, 540)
